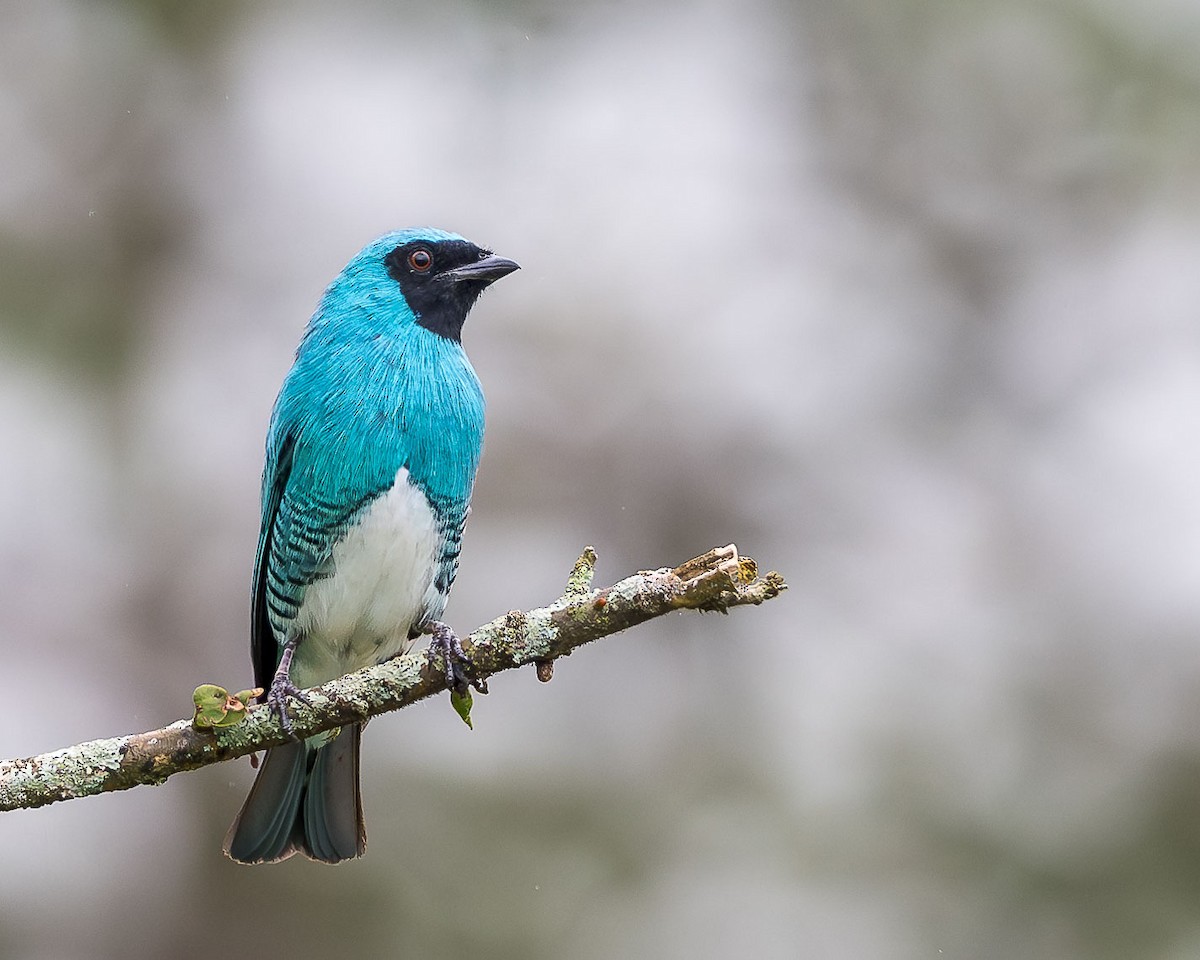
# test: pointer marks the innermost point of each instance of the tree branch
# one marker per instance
(718, 580)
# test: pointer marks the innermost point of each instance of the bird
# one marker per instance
(371, 456)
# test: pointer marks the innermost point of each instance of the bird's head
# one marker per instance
(423, 276)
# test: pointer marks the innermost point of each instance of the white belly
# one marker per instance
(380, 585)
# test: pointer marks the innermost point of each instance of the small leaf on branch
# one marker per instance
(461, 702)
(216, 708)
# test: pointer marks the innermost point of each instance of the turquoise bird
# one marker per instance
(371, 457)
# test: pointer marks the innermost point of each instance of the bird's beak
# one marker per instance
(486, 270)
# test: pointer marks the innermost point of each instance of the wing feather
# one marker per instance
(264, 651)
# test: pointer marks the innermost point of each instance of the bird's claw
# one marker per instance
(444, 641)
(282, 688)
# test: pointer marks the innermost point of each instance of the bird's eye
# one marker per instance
(420, 260)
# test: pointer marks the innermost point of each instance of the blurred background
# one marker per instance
(901, 296)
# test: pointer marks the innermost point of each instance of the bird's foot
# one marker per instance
(445, 641)
(282, 688)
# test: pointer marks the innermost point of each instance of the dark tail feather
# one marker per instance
(304, 800)
(262, 832)
(333, 819)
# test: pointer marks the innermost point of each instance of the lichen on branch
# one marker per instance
(719, 580)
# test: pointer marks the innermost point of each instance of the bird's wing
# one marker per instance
(313, 492)
(264, 651)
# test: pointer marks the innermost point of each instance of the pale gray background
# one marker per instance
(900, 296)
